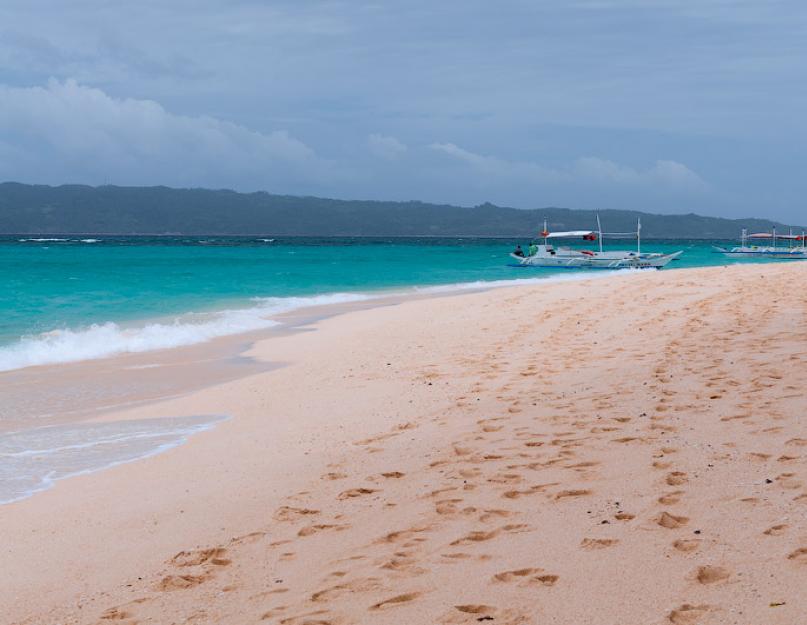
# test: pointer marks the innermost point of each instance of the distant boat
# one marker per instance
(547, 255)
(749, 249)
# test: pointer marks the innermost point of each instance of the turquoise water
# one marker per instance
(72, 299)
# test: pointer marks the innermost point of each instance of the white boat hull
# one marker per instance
(597, 260)
(772, 255)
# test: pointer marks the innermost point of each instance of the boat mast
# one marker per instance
(599, 231)
(638, 235)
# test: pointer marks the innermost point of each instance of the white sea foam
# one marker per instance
(110, 339)
(32, 460)
(40, 240)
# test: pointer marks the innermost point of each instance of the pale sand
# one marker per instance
(627, 451)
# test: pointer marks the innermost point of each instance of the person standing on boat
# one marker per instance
(533, 249)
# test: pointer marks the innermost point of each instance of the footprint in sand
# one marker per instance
(475, 608)
(799, 555)
(334, 475)
(287, 513)
(115, 614)
(526, 577)
(494, 514)
(447, 506)
(332, 592)
(480, 613)
(181, 582)
(403, 535)
(787, 481)
(591, 544)
(564, 494)
(776, 530)
(355, 492)
(669, 499)
(687, 614)
(476, 537)
(392, 475)
(711, 574)
(317, 617)
(671, 521)
(397, 600)
(687, 544)
(758, 456)
(214, 555)
(676, 478)
(479, 536)
(310, 530)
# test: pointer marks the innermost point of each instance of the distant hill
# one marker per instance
(79, 209)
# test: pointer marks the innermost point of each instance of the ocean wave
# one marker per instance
(110, 339)
(40, 240)
(56, 240)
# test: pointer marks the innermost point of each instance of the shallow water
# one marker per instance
(32, 460)
(65, 299)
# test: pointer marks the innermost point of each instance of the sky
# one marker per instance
(657, 105)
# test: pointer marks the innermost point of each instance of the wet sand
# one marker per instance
(630, 450)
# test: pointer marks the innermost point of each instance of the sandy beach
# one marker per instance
(630, 450)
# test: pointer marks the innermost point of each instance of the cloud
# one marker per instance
(497, 167)
(590, 170)
(385, 147)
(80, 133)
(672, 174)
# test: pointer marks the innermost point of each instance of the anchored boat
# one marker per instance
(549, 255)
(754, 246)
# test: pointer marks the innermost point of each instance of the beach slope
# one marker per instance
(627, 450)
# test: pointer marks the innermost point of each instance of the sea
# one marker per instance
(77, 299)
(64, 299)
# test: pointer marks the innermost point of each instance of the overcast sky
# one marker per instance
(658, 105)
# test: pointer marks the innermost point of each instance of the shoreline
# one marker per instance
(285, 320)
(193, 361)
(428, 389)
(267, 313)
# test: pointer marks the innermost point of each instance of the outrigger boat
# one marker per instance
(547, 255)
(749, 249)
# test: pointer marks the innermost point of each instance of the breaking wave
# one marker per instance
(110, 339)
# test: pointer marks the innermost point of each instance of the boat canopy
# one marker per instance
(768, 235)
(569, 234)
